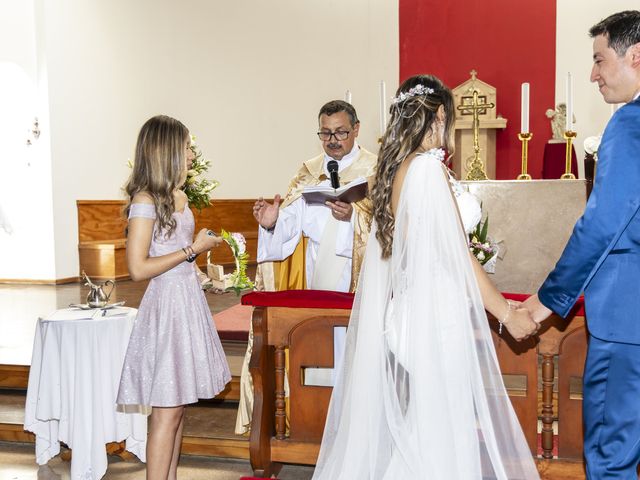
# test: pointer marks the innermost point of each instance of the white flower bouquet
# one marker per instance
(483, 247)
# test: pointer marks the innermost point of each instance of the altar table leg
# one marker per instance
(281, 416)
(547, 406)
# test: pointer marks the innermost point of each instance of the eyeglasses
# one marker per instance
(339, 134)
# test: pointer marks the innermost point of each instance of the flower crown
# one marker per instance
(416, 91)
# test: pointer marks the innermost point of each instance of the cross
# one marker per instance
(476, 171)
(473, 74)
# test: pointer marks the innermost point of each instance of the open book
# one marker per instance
(352, 192)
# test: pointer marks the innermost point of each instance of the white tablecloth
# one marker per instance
(73, 384)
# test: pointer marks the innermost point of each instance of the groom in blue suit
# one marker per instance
(602, 259)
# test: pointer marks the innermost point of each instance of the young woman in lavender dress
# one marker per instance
(174, 355)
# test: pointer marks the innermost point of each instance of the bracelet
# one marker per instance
(510, 308)
(191, 255)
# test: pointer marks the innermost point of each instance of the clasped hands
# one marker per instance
(525, 320)
(266, 214)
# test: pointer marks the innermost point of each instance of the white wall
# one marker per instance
(246, 77)
(26, 203)
(574, 54)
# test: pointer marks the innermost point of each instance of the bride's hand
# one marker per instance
(520, 324)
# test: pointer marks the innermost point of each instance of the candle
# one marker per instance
(569, 99)
(383, 107)
(347, 96)
(524, 111)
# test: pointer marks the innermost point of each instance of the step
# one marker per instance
(208, 431)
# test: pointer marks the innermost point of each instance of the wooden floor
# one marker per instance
(209, 429)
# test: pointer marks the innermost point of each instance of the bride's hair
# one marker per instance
(413, 115)
(159, 166)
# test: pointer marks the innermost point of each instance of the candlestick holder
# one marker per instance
(569, 135)
(524, 138)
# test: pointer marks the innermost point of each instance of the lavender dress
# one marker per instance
(174, 355)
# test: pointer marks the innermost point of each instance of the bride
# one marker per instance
(420, 393)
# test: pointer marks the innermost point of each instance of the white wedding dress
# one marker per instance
(420, 393)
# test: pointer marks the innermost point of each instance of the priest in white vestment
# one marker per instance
(295, 237)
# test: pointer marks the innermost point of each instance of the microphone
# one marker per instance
(332, 166)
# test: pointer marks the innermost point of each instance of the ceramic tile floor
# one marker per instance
(17, 463)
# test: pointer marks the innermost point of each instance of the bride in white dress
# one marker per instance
(420, 393)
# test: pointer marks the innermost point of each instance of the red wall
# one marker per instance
(507, 41)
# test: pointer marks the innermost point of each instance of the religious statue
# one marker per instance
(558, 119)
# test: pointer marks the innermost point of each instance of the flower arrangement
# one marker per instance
(482, 247)
(591, 145)
(198, 190)
(238, 280)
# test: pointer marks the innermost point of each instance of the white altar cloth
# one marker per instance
(73, 383)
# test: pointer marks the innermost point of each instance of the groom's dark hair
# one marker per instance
(621, 29)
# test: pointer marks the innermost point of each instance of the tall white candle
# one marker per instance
(383, 107)
(524, 110)
(569, 99)
(347, 96)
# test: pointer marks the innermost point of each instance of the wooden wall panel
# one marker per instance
(101, 224)
(100, 220)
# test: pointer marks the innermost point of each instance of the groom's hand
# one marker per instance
(520, 324)
(538, 311)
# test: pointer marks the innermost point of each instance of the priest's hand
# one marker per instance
(520, 324)
(537, 309)
(266, 213)
(341, 210)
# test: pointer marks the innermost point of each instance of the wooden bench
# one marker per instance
(102, 243)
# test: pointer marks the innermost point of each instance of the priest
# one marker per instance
(312, 246)
(337, 232)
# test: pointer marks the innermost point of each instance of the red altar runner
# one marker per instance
(326, 299)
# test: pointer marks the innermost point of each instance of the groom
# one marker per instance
(602, 258)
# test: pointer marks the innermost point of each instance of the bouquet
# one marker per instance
(482, 247)
(238, 280)
(198, 190)
(238, 245)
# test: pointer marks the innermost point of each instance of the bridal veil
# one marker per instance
(420, 393)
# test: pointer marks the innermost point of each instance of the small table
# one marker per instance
(73, 384)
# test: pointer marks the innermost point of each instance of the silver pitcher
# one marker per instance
(97, 298)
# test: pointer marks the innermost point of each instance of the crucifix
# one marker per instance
(475, 108)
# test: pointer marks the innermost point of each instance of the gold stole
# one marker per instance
(290, 274)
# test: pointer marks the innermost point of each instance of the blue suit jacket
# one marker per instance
(602, 256)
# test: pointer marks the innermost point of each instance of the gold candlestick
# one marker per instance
(569, 136)
(524, 138)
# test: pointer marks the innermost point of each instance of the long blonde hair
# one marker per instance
(158, 167)
(410, 121)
